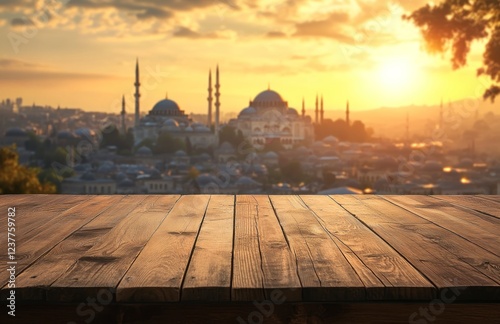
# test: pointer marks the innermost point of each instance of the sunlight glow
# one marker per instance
(397, 74)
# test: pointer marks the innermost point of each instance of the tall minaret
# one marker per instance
(317, 110)
(123, 113)
(217, 101)
(322, 111)
(210, 98)
(348, 122)
(303, 108)
(137, 94)
(408, 128)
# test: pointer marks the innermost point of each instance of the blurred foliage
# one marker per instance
(18, 179)
(455, 24)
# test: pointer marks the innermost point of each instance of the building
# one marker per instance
(268, 118)
(166, 116)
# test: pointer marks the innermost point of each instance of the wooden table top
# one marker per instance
(226, 248)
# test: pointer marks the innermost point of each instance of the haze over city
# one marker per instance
(82, 53)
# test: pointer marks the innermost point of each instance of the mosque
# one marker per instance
(167, 116)
(268, 118)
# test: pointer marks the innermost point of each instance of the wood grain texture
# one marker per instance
(384, 272)
(324, 272)
(434, 251)
(271, 260)
(53, 230)
(208, 276)
(481, 204)
(36, 279)
(475, 227)
(102, 267)
(158, 272)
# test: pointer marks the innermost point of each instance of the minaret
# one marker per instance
(217, 102)
(322, 111)
(209, 98)
(123, 113)
(441, 115)
(303, 108)
(317, 110)
(408, 128)
(348, 122)
(137, 94)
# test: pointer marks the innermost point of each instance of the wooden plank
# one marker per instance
(495, 198)
(30, 205)
(35, 280)
(102, 267)
(42, 212)
(248, 278)
(384, 272)
(52, 232)
(324, 272)
(485, 206)
(270, 257)
(208, 276)
(438, 254)
(475, 227)
(158, 272)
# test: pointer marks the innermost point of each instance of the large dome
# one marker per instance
(268, 96)
(166, 105)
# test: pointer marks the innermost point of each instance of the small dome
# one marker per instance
(247, 181)
(171, 123)
(126, 183)
(165, 105)
(271, 155)
(189, 129)
(292, 111)
(247, 111)
(330, 140)
(89, 176)
(84, 132)
(15, 132)
(180, 153)
(206, 179)
(144, 150)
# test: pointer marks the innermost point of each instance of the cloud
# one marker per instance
(21, 22)
(332, 27)
(276, 34)
(184, 32)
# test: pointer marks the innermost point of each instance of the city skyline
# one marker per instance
(361, 52)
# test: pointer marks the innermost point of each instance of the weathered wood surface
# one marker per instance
(234, 249)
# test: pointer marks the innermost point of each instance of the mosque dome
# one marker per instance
(268, 96)
(165, 105)
(247, 112)
(292, 111)
(171, 123)
(268, 99)
(144, 150)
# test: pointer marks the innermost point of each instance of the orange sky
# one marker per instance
(82, 54)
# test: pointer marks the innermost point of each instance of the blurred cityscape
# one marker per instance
(269, 148)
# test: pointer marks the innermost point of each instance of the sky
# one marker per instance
(82, 53)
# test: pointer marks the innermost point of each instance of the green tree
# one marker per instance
(18, 179)
(166, 143)
(231, 135)
(455, 24)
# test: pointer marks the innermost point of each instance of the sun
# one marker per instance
(395, 75)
